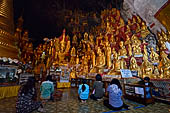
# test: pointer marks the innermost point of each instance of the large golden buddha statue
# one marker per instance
(144, 30)
(154, 56)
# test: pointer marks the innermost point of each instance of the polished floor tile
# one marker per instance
(70, 104)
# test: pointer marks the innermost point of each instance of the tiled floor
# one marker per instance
(70, 104)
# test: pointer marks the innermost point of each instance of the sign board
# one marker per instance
(126, 73)
(64, 77)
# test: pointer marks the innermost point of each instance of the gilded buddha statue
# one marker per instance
(91, 37)
(108, 56)
(112, 40)
(144, 30)
(156, 72)
(73, 73)
(147, 68)
(85, 66)
(67, 47)
(154, 56)
(73, 51)
(77, 60)
(98, 39)
(139, 21)
(165, 69)
(122, 51)
(74, 41)
(61, 55)
(128, 41)
(138, 29)
(114, 53)
(130, 50)
(86, 36)
(164, 35)
(134, 66)
(137, 50)
(93, 59)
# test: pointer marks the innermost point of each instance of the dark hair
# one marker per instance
(29, 85)
(98, 77)
(147, 79)
(116, 81)
(49, 77)
(83, 86)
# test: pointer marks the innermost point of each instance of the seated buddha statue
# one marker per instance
(114, 53)
(61, 56)
(137, 50)
(128, 41)
(74, 41)
(156, 72)
(100, 59)
(134, 66)
(144, 30)
(166, 69)
(154, 56)
(73, 73)
(86, 36)
(147, 68)
(72, 60)
(115, 67)
(122, 51)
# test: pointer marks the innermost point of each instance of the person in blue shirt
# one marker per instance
(47, 88)
(83, 91)
(115, 96)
